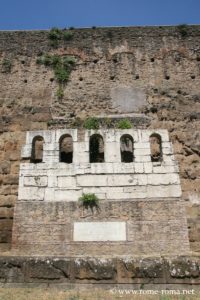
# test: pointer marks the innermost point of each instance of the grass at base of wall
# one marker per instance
(89, 294)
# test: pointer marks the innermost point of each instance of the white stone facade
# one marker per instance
(52, 180)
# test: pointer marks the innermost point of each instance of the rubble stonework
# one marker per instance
(142, 198)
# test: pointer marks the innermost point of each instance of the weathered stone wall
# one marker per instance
(112, 179)
(61, 228)
(153, 227)
(116, 70)
(140, 273)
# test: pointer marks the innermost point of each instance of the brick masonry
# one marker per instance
(152, 227)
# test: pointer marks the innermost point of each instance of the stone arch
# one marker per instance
(37, 149)
(96, 148)
(156, 147)
(66, 149)
(126, 148)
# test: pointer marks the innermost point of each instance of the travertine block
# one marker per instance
(67, 195)
(101, 168)
(139, 167)
(28, 166)
(67, 170)
(67, 182)
(92, 180)
(110, 136)
(141, 145)
(35, 181)
(51, 158)
(112, 152)
(163, 191)
(31, 193)
(167, 179)
(49, 153)
(50, 148)
(49, 194)
(165, 169)
(34, 172)
(125, 180)
(140, 158)
(142, 152)
(26, 151)
(168, 157)
(52, 181)
(148, 167)
(127, 195)
(81, 152)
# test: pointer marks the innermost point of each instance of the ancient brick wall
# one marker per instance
(154, 70)
(153, 227)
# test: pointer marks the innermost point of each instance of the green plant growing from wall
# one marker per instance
(60, 92)
(183, 29)
(62, 67)
(6, 66)
(67, 35)
(91, 123)
(55, 35)
(89, 200)
(108, 122)
(124, 124)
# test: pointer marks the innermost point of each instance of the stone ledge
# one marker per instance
(117, 270)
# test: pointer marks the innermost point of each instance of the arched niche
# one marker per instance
(96, 149)
(126, 148)
(37, 149)
(156, 147)
(66, 149)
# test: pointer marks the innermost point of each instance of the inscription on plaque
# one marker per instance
(99, 231)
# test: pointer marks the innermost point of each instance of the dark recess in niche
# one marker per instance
(167, 77)
(25, 80)
(112, 77)
(96, 149)
(156, 147)
(152, 59)
(193, 77)
(137, 77)
(37, 149)
(66, 149)
(95, 61)
(80, 78)
(126, 147)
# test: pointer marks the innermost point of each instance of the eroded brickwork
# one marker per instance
(152, 227)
